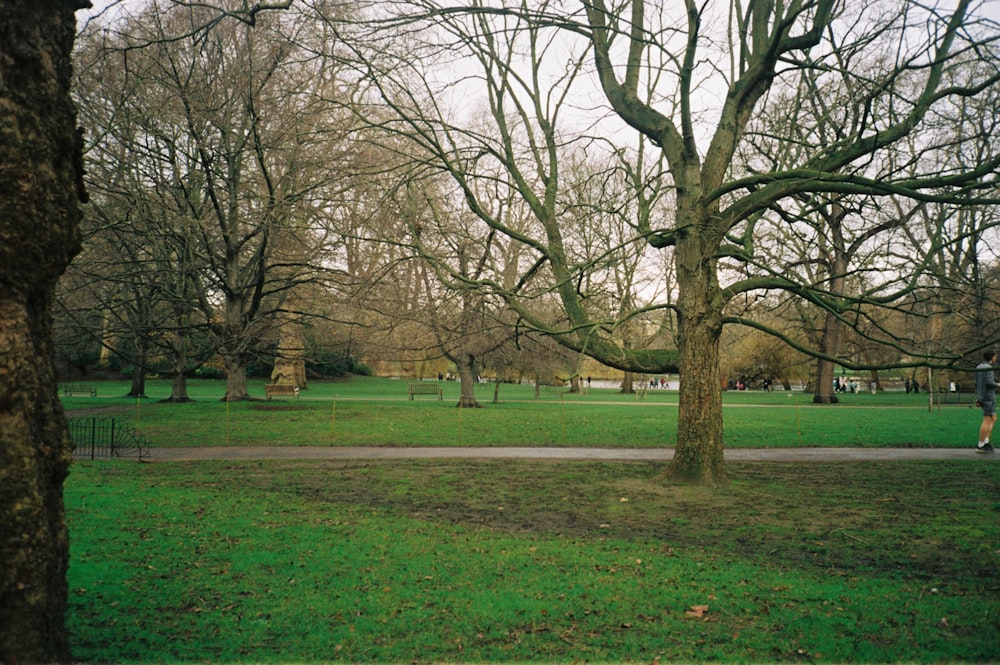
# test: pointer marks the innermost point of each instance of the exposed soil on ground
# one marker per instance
(627, 502)
(276, 406)
(100, 411)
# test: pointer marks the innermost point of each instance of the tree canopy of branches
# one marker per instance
(214, 152)
(909, 87)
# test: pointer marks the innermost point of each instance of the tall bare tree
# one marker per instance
(228, 161)
(690, 77)
(842, 244)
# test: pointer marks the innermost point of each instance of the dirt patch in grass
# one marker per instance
(272, 406)
(528, 561)
(838, 518)
(101, 411)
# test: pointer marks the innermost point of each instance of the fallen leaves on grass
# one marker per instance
(697, 611)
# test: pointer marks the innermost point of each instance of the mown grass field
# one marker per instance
(369, 411)
(517, 561)
(540, 562)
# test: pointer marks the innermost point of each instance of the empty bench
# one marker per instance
(425, 389)
(281, 390)
(71, 389)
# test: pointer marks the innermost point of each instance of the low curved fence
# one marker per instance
(943, 396)
(106, 437)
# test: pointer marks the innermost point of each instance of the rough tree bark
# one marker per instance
(837, 262)
(138, 387)
(40, 188)
(290, 357)
(628, 383)
(466, 365)
(699, 453)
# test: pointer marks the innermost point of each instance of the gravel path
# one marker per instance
(605, 454)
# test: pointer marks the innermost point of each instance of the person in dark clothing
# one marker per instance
(986, 387)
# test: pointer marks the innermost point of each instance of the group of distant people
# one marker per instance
(845, 385)
(767, 385)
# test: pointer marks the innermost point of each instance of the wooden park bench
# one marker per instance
(281, 389)
(71, 389)
(425, 389)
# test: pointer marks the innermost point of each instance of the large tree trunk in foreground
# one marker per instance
(40, 187)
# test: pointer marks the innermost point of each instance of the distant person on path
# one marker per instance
(986, 387)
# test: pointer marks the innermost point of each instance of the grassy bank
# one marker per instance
(371, 411)
(543, 562)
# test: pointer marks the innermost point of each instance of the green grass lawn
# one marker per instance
(371, 411)
(462, 562)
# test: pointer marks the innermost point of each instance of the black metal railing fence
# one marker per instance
(105, 437)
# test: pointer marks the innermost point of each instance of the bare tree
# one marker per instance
(231, 145)
(844, 245)
(602, 205)
(135, 267)
(690, 78)
(452, 251)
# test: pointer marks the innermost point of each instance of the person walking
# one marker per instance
(986, 387)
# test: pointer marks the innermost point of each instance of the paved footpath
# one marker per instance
(546, 453)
